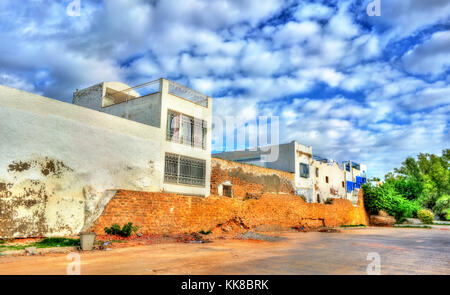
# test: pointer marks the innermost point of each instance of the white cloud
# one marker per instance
(403, 18)
(342, 23)
(253, 63)
(313, 11)
(426, 98)
(294, 32)
(431, 57)
(259, 60)
(327, 75)
(16, 82)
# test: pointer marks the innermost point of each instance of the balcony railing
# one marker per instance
(114, 96)
(187, 93)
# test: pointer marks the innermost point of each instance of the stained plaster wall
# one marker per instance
(334, 187)
(60, 164)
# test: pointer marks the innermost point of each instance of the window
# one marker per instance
(227, 191)
(186, 130)
(343, 184)
(304, 170)
(317, 172)
(326, 179)
(184, 170)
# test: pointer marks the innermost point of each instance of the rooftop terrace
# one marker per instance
(120, 93)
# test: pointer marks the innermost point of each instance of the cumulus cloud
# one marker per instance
(294, 32)
(403, 18)
(431, 57)
(16, 82)
(313, 11)
(371, 89)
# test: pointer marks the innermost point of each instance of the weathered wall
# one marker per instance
(249, 179)
(304, 186)
(336, 186)
(60, 164)
(165, 213)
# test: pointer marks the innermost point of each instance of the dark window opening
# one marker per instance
(326, 179)
(317, 172)
(186, 130)
(227, 191)
(304, 170)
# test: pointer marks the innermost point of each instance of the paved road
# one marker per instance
(402, 251)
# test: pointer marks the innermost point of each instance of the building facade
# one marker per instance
(317, 179)
(181, 117)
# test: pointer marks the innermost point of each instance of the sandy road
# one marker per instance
(402, 251)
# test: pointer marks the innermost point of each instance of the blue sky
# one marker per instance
(373, 89)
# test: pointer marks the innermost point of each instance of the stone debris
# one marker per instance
(412, 221)
(31, 251)
(328, 230)
(235, 225)
(194, 238)
(382, 219)
(250, 235)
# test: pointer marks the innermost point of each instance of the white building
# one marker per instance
(61, 163)
(316, 179)
(181, 118)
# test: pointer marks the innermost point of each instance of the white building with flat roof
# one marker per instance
(181, 118)
(317, 179)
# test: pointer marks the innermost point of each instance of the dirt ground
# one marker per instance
(402, 251)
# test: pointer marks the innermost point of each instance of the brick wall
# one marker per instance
(249, 179)
(170, 213)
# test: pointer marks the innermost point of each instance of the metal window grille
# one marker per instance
(227, 191)
(304, 170)
(184, 170)
(186, 130)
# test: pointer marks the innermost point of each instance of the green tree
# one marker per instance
(416, 183)
(442, 207)
(424, 179)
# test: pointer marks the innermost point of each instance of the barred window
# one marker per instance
(304, 170)
(184, 170)
(186, 130)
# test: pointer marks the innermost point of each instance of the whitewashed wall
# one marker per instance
(60, 163)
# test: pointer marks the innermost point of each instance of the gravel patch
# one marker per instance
(261, 237)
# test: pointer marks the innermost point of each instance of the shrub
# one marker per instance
(442, 207)
(55, 242)
(408, 188)
(125, 231)
(429, 195)
(329, 201)
(386, 198)
(205, 232)
(128, 229)
(426, 216)
(113, 230)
